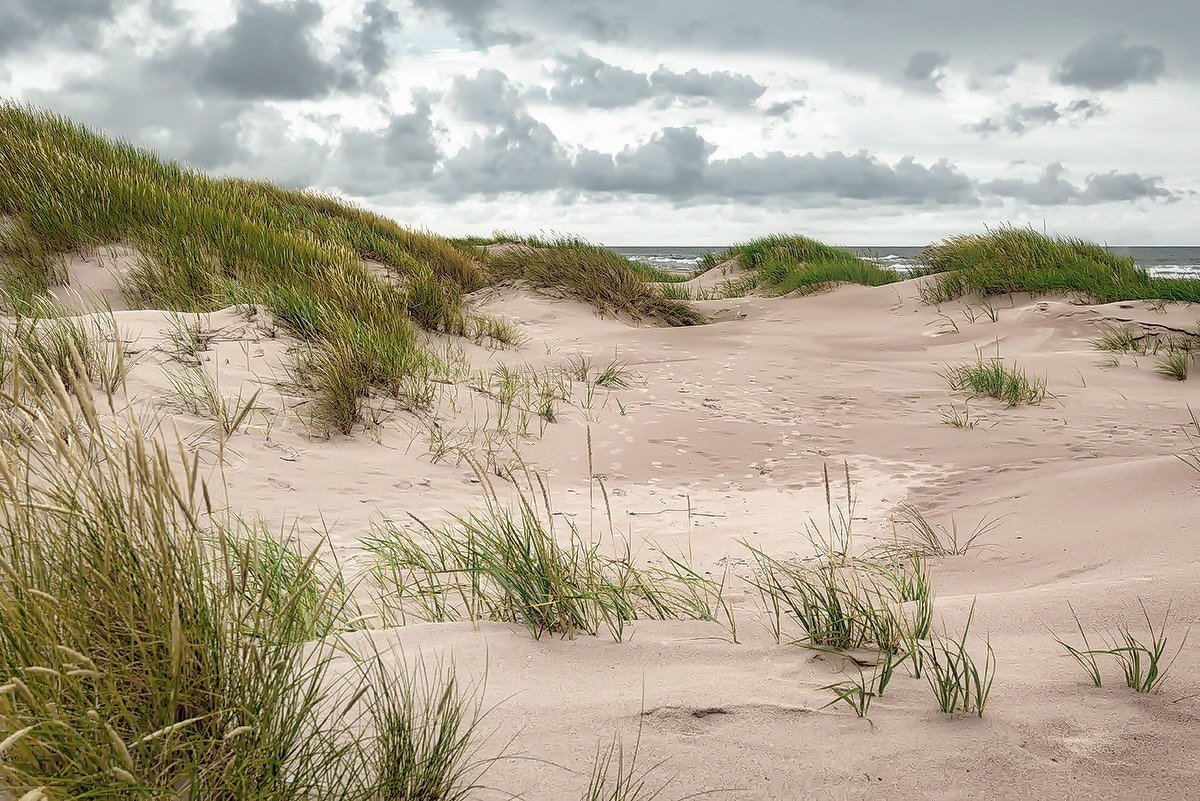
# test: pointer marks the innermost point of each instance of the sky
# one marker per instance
(655, 122)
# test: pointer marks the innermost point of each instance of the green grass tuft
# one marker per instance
(991, 378)
(1174, 364)
(959, 683)
(1008, 259)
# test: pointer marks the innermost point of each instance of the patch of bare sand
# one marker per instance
(95, 279)
(736, 421)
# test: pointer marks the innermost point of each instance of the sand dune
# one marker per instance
(736, 422)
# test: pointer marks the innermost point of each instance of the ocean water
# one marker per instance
(1164, 262)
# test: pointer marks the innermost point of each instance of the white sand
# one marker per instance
(740, 417)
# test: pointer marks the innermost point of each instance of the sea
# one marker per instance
(1159, 261)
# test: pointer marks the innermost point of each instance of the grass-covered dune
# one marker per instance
(607, 280)
(1008, 259)
(356, 287)
(791, 263)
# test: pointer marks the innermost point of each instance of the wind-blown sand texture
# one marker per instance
(736, 421)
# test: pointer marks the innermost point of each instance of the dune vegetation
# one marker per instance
(783, 264)
(357, 288)
(573, 267)
(156, 644)
(1009, 259)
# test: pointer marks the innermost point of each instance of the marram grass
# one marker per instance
(608, 281)
(796, 263)
(994, 379)
(1008, 259)
(357, 288)
(153, 647)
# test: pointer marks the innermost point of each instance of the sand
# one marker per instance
(737, 421)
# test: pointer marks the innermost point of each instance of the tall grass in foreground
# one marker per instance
(608, 281)
(800, 264)
(150, 648)
(992, 378)
(61, 345)
(1008, 259)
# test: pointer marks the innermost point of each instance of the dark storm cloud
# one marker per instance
(267, 53)
(837, 176)
(1107, 63)
(151, 104)
(584, 80)
(199, 99)
(923, 71)
(1053, 189)
(1020, 118)
(860, 36)
(24, 23)
(673, 164)
(522, 156)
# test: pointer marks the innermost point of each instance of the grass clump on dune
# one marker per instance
(515, 567)
(608, 281)
(801, 264)
(152, 648)
(1008, 259)
(992, 378)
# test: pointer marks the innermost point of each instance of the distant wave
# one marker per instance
(684, 260)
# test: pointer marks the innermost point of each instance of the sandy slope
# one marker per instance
(737, 420)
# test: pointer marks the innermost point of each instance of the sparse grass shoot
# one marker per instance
(938, 541)
(959, 683)
(1142, 658)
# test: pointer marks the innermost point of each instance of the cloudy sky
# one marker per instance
(656, 121)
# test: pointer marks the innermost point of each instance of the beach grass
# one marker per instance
(1174, 364)
(794, 263)
(959, 682)
(842, 604)
(153, 645)
(618, 775)
(356, 287)
(1142, 658)
(575, 268)
(929, 540)
(511, 565)
(1010, 259)
(992, 378)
